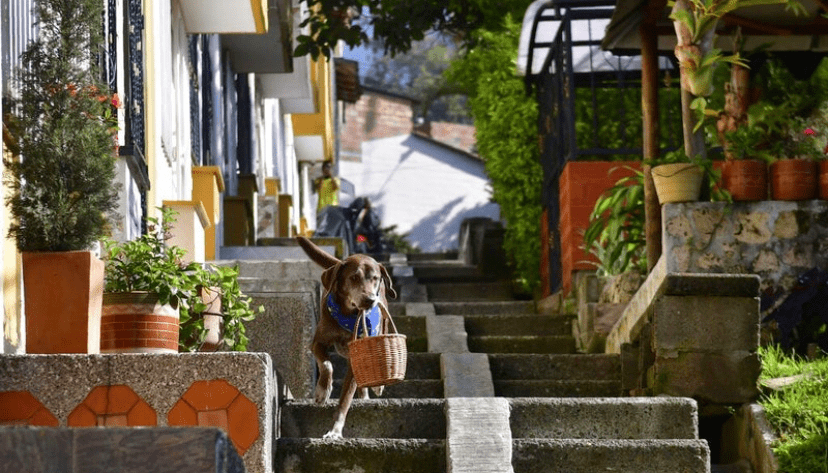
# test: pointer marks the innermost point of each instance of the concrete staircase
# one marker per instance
(491, 386)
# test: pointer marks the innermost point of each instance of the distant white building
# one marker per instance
(423, 186)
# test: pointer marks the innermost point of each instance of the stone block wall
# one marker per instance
(233, 391)
(776, 240)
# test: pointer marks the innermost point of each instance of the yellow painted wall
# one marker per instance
(321, 123)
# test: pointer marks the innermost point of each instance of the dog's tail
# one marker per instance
(316, 254)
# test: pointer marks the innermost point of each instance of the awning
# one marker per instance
(225, 16)
(266, 53)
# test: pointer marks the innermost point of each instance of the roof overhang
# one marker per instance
(225, 16)
(772, 26)
(266, 53)
(309, 148)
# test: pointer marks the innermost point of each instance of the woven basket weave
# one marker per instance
(379, 360)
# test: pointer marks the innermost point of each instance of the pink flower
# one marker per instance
(810, 132)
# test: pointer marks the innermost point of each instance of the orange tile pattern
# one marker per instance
(218, 403)
(112, 406)
(22, 408)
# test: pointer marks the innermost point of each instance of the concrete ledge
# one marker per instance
(267, 252)
(234, 390)
(446, 334)
(618, 456)
(638, 311)
(607, 418)
(299, 268)
(748, 435)
(334, 246)
(478, 435)
(466, 375)
(125, 450)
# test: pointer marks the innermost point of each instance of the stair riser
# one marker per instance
(572, 456)
(559, 344)
(469, 292)
(418, 366)
(415, 456)
(405, 389)
(522, 388)
(423, 419)
(618, 418)
(473, 308)
(555, 367)
(517, 324)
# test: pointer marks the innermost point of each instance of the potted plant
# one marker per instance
(794, 175)
(147, 285)
(62, 127)
(217, 314)
(678, 178)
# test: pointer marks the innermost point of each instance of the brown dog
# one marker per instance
(353, 285)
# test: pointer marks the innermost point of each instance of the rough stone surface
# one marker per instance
(466, 375)
(419, 308)
(749, 436)
(607, 418)
(706, 324)
(303, 455)
(125, 450)
(283, 270)
(62, 382)
(777, 240)
(618, 456)
(719, 378)
(446, 334)
(479, 439)
(413, 293)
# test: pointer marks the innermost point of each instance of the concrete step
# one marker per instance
(441, 273)
(422, 378)
(517, 324)
(556, 388)
(470, 291)
(489, 307)
(414, 329)
(522, 344)
(604, 418)
(447, 257)
(407, 388)
(303, 455)
(367, 418)
(555, 367)
(618, 456)
(418, 366)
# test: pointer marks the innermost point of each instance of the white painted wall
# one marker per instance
(423, 188)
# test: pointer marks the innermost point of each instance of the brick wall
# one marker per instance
(375, 116)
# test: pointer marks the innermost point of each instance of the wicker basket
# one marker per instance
(379, 360)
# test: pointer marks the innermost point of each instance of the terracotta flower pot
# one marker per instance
(823, 180)
(679, 182)
(746, 179)
(134, 322)
(63, 292)
(793, 179)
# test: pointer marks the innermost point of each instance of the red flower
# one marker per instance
(810, 132)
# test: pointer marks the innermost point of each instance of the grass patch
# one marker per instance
(798, 412)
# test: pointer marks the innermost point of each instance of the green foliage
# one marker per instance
(506, 122)
(147, 264)
(62, 126)
(397, 23)
(615, 234)
(235, 310)
(399, 242)
(798, 412)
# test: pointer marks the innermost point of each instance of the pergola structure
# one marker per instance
(570, 44)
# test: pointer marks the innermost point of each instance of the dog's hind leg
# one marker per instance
(348, 390)
(324, 385)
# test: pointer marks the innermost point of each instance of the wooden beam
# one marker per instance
(765, 28)
(650, 115)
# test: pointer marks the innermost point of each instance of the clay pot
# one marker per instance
(746, 179)
(823, 180)
(63, 292)
(134, 322)
(793, 179)
(679, 182)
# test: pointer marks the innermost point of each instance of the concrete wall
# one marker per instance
(776, 240)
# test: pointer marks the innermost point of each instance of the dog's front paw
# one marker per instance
(322, 394)
(333, 434)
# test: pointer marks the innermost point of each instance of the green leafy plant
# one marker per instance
(797, 412)
(506, 129)
(615, 234)
(147, 264)
(236, 309)
(62, 125)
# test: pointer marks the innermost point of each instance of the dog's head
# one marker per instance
(358, 282)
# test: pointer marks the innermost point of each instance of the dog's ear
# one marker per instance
(387, 280)
(330, 277)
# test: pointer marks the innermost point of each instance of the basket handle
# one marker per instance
(361, 319)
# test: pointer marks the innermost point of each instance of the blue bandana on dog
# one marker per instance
(372, 318)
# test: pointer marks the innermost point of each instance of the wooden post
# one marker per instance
(649, 107)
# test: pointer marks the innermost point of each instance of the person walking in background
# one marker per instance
(327, 187)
